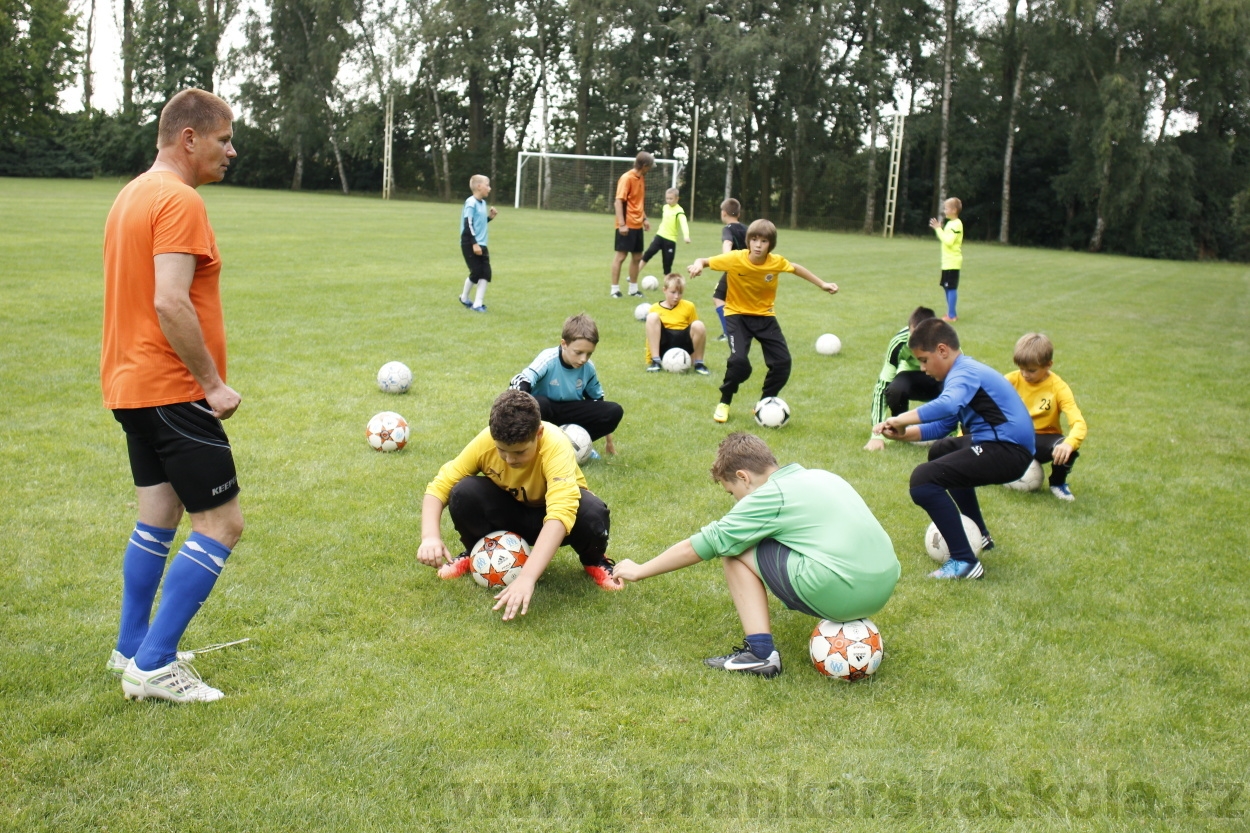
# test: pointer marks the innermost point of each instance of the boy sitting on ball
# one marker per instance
(531, 485)
(804, 534)
(674, 322)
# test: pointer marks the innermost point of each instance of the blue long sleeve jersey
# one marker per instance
(473, 221)
(978, 397)
(549, 376)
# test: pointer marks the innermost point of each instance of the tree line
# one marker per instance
(1101, 125)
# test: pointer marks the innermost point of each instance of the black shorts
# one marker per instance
(771, 557)
(950, 279)
(479, 265)
(630, 241)
(721, 288)
(955, 463)
(185, 446)
(675, 338)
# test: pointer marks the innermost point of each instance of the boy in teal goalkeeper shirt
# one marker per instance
(804, 534)
(665, 240)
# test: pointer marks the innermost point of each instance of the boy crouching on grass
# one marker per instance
(674, 322)
(532, 486)
(1047, 396)
(804, 534)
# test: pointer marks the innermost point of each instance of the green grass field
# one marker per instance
(1094, 680)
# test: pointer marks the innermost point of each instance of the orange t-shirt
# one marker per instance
(631, 189)
(156, 213)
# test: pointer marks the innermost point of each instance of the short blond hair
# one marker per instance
(675, 279)
(476, 180)
(957, 202)
(1034, 350)
(741, 451)
(197, 109)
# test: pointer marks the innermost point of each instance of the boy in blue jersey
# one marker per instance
(997, 445)
(473, 235)
(564, 381)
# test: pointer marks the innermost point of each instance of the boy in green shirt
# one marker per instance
(804, 534)
(665, 239)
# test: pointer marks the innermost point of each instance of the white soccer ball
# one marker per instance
(580, 439)
(676, 360)
(846, 650)
(935, 544)
(1030, 481)
(496, 560)
(772, 412)
(828, 345)
(394, 377)
(640, 311)
(650, 283)
(387, 431)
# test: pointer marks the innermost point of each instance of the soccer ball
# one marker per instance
(1030, 481)
(640, 311)
(497, 559)
(846, 650)
(394, 377)
(772, 412)
(828, 345)
(676, 360)
(581, 441)
(935, 544)
(650, 283)
(387, 431)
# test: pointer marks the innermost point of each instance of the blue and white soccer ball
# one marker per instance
(772, 412)
(394, 377)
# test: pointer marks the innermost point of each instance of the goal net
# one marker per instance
(569, 182)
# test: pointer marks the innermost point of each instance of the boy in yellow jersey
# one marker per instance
(531, 485)
(750, 293)
(1047, 396)
(951, 236)
(665, 240)
(674, 322)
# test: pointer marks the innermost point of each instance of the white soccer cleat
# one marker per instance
(177, 682)
(118, 661)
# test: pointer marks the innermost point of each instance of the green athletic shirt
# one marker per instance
(672, 217)
(842, 562)
(898, 358)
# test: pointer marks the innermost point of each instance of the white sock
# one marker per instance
(481, 293)
(633, 287)
(468, 284)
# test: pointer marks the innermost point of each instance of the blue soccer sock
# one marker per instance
(761, 644)
(142, 566)
(952, 295)
(720, 312)
(945, 514)
(966, 500)
(191, 578)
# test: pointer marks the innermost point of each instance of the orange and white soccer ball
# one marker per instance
(496, 560)
(387, 431)
(846, 650)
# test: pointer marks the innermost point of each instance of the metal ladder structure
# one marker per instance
(891, 191)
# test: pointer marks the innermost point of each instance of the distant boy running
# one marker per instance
(674, 322)
(665, 239)
(952, 238)
(901, 380)
(996, 447)
(1047, 396)
(473, 235)
(631, 221)
(733, 237)
(804, 534)
(531, 485)
(751, 280)
(564, 381)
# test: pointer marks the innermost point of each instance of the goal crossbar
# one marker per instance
(542, 157)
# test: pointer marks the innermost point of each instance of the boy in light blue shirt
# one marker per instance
(473, 236)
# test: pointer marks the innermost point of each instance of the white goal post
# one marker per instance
(575, 182)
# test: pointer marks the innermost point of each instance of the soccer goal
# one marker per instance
(572, 182)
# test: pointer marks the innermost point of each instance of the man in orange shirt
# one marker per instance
(631, 221)
(163, 372)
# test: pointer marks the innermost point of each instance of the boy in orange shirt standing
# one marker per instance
(631, 221)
